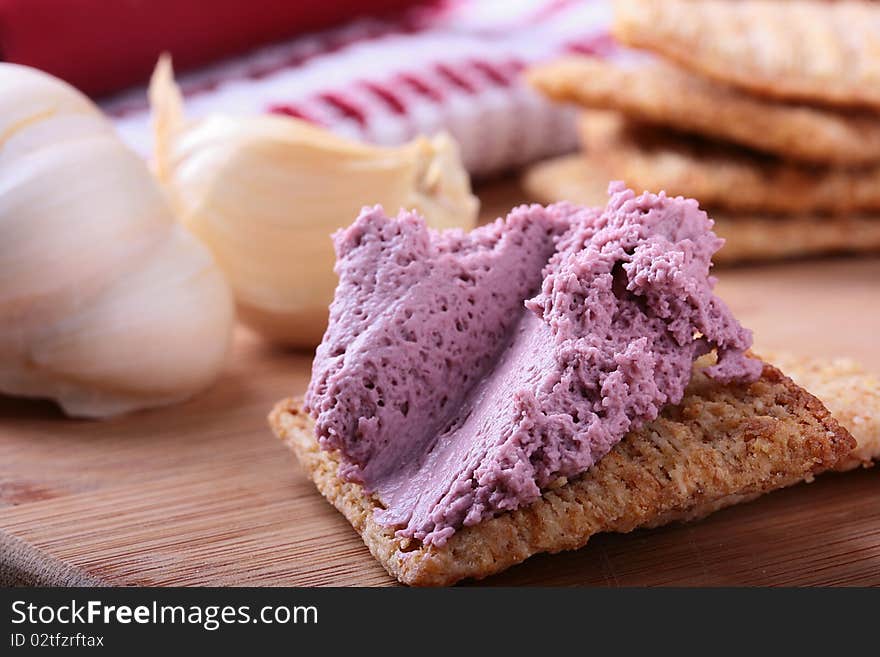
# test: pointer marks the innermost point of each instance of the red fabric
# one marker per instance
(105, 45)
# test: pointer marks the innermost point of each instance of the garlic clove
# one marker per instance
(265, 193)
(116, 334)
(94, 243)
(441, 187)
(106, 303)
(37, 97)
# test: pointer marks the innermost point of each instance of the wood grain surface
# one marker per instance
(202, 494)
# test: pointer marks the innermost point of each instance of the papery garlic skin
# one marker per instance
(265, 193)
(106, 304)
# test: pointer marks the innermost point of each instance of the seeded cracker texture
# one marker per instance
(721, 445)
(662, 94)
(795, 49)
(582, 179)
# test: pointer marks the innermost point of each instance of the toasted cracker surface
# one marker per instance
(796, 49)
(721, 445)
(849, 391)
(723, 176)
(583, 179)
(660, 93)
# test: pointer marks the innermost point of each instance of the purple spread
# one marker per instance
(453, 398)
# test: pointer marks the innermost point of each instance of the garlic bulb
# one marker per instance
(106, 303)
(265, 193)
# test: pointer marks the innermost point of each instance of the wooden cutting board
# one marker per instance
(202, 493)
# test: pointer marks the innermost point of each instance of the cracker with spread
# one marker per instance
(480, 397)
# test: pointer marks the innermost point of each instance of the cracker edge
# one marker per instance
(724, 175)
(687, 102)
(849, 391)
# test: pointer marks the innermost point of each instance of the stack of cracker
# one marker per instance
(766, 111)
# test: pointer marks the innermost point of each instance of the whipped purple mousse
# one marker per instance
(464, 373)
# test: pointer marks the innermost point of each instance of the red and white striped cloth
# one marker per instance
(453, 66)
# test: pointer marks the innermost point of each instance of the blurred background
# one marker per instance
(378, 70)
(787, 178)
